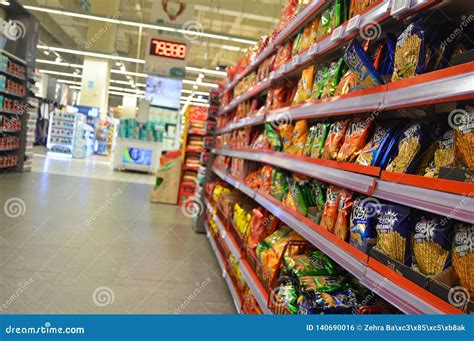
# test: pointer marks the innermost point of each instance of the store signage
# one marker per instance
(168, 49)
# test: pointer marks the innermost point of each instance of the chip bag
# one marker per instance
(354, 140)
(279, 184)
(300, 135)
(286, 135)
(335, 139)
(463, 254)
(341, 226)
(273, 137)
(328, 219)
(464, 139)
(320, 134)
(362, 228)
(443, 155)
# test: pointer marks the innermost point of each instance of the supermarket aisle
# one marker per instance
(71, 244)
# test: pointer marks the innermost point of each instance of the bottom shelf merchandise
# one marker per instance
(295, 277)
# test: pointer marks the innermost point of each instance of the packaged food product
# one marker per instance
(329, 216)
(298, 196)
(358, 62)
(271, 256)
(335, 139)
(320, 133)
(410, 52)
(286, 294)
(308, 36)
(431, 243)
(392, 232)
(300, 135)
(411, 143)
(242, 219)
(385, 58)
(280, 94)
(355, 139)
(283, 55)
(362, 228)
(266, 175)
(316, 194)
(314, 264)
(273, 137)
(309, 141)
(367, 155)
(463, 254)
(334, 73)
(289, 201)
(305, 86)
(464, 140)
(358, 6)
(320, 283)
(319, 82)
(324, 26)
(341, 226)
(262, 224)
(347, 83)
(279, 184)
(443, 155)
(286, 135)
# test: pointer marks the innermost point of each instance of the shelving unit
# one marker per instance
(57, 142)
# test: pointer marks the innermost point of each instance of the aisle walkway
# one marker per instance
(70, 244)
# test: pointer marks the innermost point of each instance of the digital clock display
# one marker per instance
(168, 49)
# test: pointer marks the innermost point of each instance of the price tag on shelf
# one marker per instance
(337, 33)
(272, 75)
(313, 50)
(224, 273)
(399, 7)
(295, 61)
(353, 24)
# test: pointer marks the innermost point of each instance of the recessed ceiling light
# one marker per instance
(118, 64)
(5, 3)
(46, 52)
(195, 87)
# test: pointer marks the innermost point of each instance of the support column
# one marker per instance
(96, 71)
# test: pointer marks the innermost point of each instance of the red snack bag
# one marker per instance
(263, 224)
(355, 139)
(266, 175)
(341, 227)
(335, 139)
(328, 219)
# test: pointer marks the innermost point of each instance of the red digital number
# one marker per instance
(167, 49)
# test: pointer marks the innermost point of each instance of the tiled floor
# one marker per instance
(72, 244)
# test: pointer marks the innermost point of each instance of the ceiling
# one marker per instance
(247, 19)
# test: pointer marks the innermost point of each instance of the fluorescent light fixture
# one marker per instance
(186, 91)
(90, 54)
(211, 85)
(137, 24)
(60, 73)
(65, 81)
(52, 62)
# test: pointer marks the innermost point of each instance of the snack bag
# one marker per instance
(309, 141)
(410, 145)
(354, 140)
(320, 283)
(316, 264)
(300, 135)
(297, 196)
(286, 293)
(431, 243)
(334, 73)
(443, 155)
(286, 135)
(317, 200)
(305, 85)
(362, 227)
(366, 156)
(262, 224)
(410, 52)
(319, 82)
(320, 134)
(464, 140)
(334, 139)
(324, 26)
(363, 69)
(266, 175)
(329, 216)
(463, 254)
(348, 82)
(279, 184)
(341, 226)
(358, 6)
(273, 137)
(392, 232)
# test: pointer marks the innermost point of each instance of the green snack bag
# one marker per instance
(322, 130)
(298, 196)
(324, 26)
(319, 81)
(320, 283)
(273, 137)
(297, 43)
(309, 141)
(316, 264)
(279, 186)
(333, 78)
